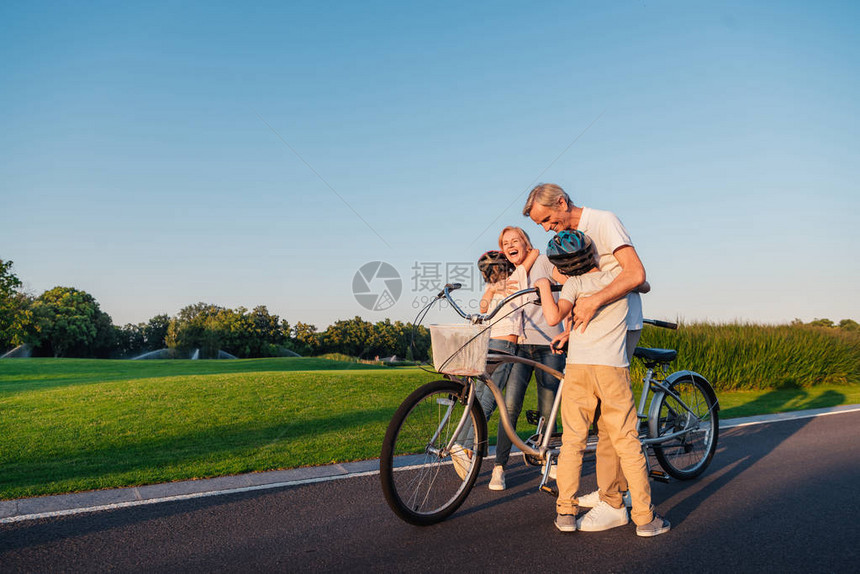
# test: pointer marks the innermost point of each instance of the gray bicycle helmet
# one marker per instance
(572, 252)
(493, 260)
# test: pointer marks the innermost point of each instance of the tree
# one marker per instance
(352, 337)
(849, 325)
(197, 327)
(211, 328)
(155, 332)
(257, 333)
(305, 338)
(69, 323)
(129, 340)
(15, 314)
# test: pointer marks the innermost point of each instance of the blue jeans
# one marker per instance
(483, 395)
(518, 382)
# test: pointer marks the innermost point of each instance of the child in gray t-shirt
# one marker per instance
(596, 371)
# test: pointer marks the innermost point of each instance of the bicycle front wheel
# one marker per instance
(690, 422)
(423, 481)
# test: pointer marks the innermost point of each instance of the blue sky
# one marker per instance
(161, 154)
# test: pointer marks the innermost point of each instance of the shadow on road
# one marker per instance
(683, 498)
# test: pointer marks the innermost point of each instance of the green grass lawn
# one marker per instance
(72, 424)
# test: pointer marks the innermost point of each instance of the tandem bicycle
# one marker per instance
(679, 425)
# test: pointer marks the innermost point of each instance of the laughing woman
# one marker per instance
(534, 344)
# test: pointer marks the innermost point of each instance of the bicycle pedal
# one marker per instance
(549, 490)
(658, 475)
(533, 417)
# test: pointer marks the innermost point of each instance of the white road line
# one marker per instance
(116, 505)
(780, 417)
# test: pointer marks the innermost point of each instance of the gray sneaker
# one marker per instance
(656, 527)
(497, 480)
(565, 522)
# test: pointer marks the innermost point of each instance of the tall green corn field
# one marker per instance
(746, 356)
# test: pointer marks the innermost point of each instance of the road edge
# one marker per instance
(83, 502)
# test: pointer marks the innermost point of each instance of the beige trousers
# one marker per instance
(584, 385)
(610, 478)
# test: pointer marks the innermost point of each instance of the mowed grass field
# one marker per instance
(70, 424)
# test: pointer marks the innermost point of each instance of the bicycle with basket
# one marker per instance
(430, 432)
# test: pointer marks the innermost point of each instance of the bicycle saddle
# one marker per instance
(655, 355)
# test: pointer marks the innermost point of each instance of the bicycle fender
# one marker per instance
(709, 388)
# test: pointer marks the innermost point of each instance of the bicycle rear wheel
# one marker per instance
(696, 428)
(421, 481)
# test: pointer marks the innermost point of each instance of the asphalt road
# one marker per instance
(779, 497)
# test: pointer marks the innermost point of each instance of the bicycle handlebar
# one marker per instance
(663, 324)
(481, 317)
(448, 287)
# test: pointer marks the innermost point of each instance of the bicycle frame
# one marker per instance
(438, 471)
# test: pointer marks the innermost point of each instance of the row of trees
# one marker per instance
(67, 322)
(844, 324)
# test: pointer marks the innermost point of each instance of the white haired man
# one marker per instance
(550, 206)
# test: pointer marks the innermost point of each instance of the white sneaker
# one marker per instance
(602, 517)
(592, 499)
(497, 481)
(589, 500)
(462, 459)
(552, 470)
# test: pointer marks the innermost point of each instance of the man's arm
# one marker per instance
(632, 276)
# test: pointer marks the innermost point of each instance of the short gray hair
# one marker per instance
(546, 194)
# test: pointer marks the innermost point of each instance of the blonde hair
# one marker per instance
(546, 194)
(520, 231)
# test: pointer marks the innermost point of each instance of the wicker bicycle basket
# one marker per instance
(460, 349)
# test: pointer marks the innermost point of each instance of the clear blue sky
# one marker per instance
(160, 154)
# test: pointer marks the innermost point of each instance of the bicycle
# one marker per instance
(427, 469)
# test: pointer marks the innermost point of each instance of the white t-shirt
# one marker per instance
(604, 341)
(608, 234)
(536, 331)
(509, 319)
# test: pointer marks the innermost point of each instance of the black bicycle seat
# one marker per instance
(655, 355)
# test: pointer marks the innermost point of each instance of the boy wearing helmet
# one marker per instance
(596, 371)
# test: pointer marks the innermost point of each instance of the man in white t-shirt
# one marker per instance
(550, 207)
